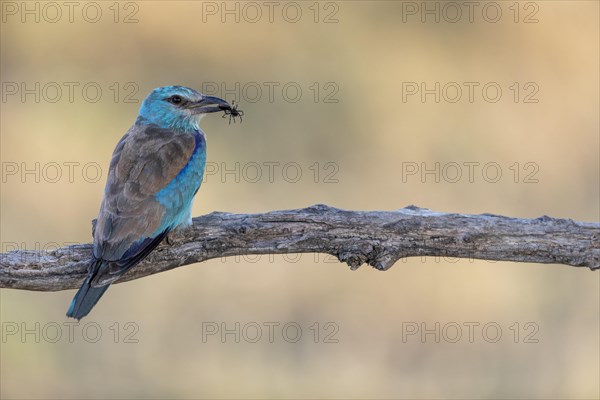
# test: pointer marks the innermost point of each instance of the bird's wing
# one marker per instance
(145, 160)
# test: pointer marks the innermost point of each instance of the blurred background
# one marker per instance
(457, 107)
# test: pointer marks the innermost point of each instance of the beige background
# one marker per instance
(368, 135)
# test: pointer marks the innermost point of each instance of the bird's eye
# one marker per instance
(175, 99)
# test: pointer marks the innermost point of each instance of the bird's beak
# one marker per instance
(209, 104)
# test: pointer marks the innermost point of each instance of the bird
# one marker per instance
(155, 171)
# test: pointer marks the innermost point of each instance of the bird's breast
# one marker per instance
(178, 194)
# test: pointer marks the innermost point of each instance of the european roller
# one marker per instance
(155, 171)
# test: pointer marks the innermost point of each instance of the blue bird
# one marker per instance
(155, 171)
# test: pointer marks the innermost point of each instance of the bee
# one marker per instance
(233, 112)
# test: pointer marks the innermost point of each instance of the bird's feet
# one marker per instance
(169, 240)
(178, 234)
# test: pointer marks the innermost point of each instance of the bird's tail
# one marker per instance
(86, 297)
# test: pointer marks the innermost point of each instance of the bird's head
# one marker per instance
(178, 107)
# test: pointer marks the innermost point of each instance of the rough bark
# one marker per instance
(378, 238)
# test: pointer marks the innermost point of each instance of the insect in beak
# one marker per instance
(232, 111)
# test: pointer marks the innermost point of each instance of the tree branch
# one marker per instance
(379, 238)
